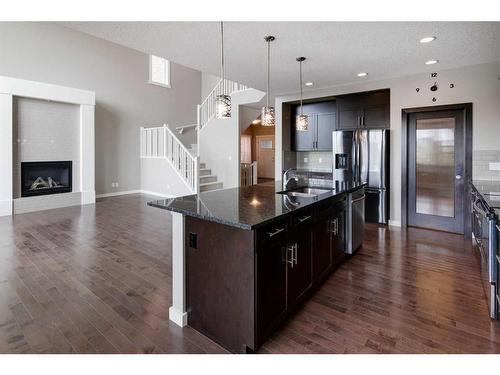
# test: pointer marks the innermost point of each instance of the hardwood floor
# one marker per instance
(97, 279)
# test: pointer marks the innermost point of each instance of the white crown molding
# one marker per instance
(45, 91)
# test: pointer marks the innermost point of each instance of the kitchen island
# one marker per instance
(245, 258)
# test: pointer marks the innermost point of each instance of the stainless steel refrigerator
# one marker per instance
(363, 155)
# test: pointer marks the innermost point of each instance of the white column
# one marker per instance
(177, 312)
(87, 156)
(6, 196)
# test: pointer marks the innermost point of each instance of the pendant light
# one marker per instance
(267, 117)
(223, 101)
(302, 121)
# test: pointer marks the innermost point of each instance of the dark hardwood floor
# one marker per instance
(97, 279)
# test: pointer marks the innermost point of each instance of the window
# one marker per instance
(159, 71)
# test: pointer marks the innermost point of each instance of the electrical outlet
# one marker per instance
(117, 184)
(320, 160)
(306, 160)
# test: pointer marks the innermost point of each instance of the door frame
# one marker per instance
(257, 150)
(467, 112)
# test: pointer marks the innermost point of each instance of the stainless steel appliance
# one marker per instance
(363, 156)
(485, 230)
(355, 220)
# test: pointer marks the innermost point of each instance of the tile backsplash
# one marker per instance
(315, 161)
(486, 165)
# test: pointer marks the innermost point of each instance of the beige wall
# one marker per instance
(478, 84)
(51, 53)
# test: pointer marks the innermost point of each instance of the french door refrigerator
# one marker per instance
(363, 156)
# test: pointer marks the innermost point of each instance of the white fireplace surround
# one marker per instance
(14, 87)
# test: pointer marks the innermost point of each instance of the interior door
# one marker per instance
(265, 156)
(436, 165)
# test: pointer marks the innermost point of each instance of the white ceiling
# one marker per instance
(335, 51)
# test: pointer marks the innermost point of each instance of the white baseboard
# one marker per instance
(117, 193)
(395, 223)
(178, 317)
(147, 192)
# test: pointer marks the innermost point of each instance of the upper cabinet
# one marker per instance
(322, 122)
(367, 110)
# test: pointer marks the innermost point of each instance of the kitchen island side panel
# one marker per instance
(220, 283)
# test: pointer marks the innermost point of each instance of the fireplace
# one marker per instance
(46, 177)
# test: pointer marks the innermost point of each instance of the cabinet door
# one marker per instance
(322, 242)
(325, 125)
(348, 119)
(305, 140)
(376, 117)
(271, 279)
(300, 254)
(338, 235)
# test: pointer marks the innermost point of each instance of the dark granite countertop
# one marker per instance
(246, 207)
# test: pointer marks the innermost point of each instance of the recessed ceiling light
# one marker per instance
(362, 74)
(431, 62)
(309, 83)
(428, 39)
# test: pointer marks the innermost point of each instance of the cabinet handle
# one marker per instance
(363, 121)
(329, 226)
(277, 231)
(289, 258)
(304, 218)
(292, 258)
(295, 257)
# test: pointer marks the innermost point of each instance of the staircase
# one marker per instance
(162, 142)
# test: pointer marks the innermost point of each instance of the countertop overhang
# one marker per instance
(247, 207)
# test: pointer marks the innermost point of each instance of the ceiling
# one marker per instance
(335, 51)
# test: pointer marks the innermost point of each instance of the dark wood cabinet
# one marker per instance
(242, 284)
(271, 262)
(328, 238)
(369, 110)
(300, 258)
(322, 122)
(338, 232)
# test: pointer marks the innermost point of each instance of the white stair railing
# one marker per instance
(162, 143)
(248, 173)
(206, 111)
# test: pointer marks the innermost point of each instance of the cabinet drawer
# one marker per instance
(302, 218)
(273, 232)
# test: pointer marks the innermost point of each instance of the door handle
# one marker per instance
(458, 177)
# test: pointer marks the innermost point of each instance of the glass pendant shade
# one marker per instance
(223, 107)
(302, 123)
(267, 116)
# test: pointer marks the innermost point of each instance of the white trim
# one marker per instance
(117, 193)
(178, 317)
(177, 312)
(45, 91)
(127, 192)
(154, 193)
(6, 207)
(395, 223)
(6, 154)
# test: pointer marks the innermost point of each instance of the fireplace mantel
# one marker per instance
(15, 87)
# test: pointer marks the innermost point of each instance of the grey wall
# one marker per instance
(51, 53)
(45, 131)
(208, 82)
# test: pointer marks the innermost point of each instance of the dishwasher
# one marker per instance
(355, 220)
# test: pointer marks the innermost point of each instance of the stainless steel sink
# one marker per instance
(305, 192)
